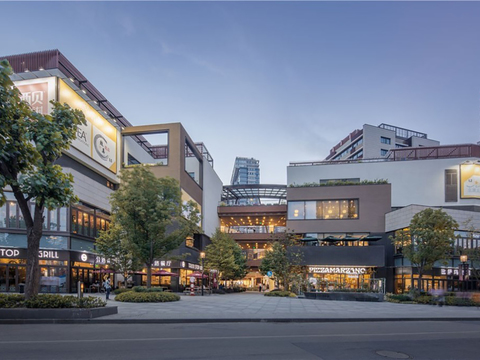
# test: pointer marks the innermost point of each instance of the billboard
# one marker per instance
(38, 93)
(470, 181)
(97, 138)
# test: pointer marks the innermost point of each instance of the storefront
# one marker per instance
(329, 278)
(60, 271)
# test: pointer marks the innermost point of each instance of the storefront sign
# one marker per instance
(337, 270)
(451, 271)
(162, 263)
(97, 138)
(42, 254)
(470, 181)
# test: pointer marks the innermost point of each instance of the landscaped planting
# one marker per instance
(48, 301)
(121, 290)
(281, 294)
(142, 289)
(451, 299)
(132, 296)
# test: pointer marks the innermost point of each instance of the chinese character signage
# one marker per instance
(38, 93)
(470, 181)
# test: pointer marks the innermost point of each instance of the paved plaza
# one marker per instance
(256, 306)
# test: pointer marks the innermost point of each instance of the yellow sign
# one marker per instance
(98, 138)
(470, 181)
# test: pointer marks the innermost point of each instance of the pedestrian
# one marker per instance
(108, 287)
(259, 287)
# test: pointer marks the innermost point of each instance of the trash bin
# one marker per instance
(21, 288)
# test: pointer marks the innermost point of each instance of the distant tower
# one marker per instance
(245, 171)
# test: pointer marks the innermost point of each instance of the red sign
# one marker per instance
(36, 95)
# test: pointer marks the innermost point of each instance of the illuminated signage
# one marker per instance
(97, 138)
(337, 270)
(22, 253)
(470, 181)
(38, 93)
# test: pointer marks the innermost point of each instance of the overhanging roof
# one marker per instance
(254, 191)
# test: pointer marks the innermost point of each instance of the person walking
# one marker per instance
(108, 287)
(260, 287)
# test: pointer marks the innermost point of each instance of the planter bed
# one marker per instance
(345, 296)
(59, 314)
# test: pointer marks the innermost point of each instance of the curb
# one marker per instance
(233, 320)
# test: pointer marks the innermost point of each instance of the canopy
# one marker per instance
(197, 275)
(164, 273)
(104, 271)
(137, 273)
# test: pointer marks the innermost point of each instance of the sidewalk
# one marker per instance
(256, 307)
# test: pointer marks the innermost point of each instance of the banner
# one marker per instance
(470, 181)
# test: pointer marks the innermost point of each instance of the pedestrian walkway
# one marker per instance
(255, 306)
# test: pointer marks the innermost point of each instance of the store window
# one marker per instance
(383, 152)
(3, 216)
(323, 209)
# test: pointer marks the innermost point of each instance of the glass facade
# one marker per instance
(345, 209)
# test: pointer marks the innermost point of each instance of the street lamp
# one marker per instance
(202, 256)
(464, 267)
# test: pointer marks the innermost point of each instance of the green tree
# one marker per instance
(149, 213)
(30, 143)
(473, 252)
(284, 260)
(225, 256)
(112, 244)
(429, 239)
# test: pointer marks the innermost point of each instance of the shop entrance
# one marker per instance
(12, 274)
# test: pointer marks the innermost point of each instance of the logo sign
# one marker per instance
(269, 273)
(470, 181)
(84, 257)
(337, 270)
(97, 138)
(10, 253)
(38, 93)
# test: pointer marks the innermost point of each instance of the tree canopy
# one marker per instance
(428, 239)
(225, 256)
(148, 212)
(283, 260)
(30, 143)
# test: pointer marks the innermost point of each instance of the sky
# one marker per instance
(277, 81)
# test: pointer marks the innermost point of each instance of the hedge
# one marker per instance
(142, 289)
(280, 294)
(120, 290)
(139, 297)
(49, 301)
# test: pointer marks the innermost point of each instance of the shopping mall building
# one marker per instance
(344, 230)
(106, 144)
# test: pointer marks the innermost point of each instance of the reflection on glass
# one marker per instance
(12, 212)
(63, 219)
(53, 220)
(3, 216)
(296, 210)
(310, 210)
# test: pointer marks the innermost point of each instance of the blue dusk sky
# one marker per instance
(277, 81)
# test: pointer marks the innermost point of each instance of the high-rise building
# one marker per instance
(245, 171)
(373, 142)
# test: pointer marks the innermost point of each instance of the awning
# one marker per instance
(164, 273)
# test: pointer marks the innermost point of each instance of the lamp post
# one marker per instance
(202, 256)
(464, 267)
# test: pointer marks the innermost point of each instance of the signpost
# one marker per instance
(269, 273)
(192, 286)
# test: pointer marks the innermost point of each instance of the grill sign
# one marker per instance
(337, 270)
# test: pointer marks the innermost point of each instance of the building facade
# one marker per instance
(372, 142)
(104, 146)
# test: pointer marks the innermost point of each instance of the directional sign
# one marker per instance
(269, 273)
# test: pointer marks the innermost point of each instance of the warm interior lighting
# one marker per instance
(202, 255)
(463, 258)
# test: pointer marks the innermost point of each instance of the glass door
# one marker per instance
(3, 278)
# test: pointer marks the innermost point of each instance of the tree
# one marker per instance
(283, 259)
(429, 239)
(112, 244)
(473, 252)
(30, 143)
(149, 213)
(225, 256)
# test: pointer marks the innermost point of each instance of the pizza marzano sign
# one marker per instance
(337, 270)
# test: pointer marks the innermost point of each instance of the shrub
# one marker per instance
(424, 299)
(459, 301)
(11, 300)
(48, 301)
(121, 290)
(398, 297)
(141, 289)
(132, 296)
(281, 294)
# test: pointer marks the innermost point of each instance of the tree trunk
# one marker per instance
(34, 234)
(420, 282)
(149, 276)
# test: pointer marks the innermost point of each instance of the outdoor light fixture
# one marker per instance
(463, 258)
(202, 256)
